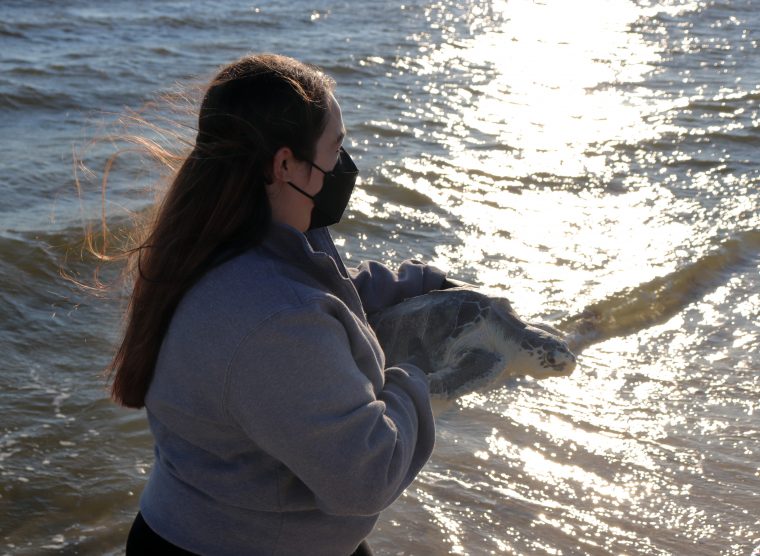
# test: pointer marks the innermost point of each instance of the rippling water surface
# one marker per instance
(594, 161)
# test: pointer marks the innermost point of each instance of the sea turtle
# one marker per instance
(465, 340)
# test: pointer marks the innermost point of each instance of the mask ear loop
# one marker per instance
(301, 191)
(318, 168)
(330, 173)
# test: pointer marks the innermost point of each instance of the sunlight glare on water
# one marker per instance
(545, 213)
(546, 101)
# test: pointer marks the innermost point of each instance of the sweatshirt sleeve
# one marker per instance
(379, 287)
(295, 389)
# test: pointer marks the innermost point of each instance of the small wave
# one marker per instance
(27, 254)
(726, 106)
(340, 70)
(634, 309)
(27, 96)
(739, 96)
(163, 51)
(183, 21)
(27, 71)
(24, 70)
(8, 32)
(733, 137)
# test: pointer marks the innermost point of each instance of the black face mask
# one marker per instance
(333, 198)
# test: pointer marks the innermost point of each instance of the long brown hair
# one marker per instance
(216, 205)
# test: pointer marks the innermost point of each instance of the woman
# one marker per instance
(278, 429)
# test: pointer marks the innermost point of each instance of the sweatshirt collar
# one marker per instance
(285, 240)
(315, 247)
(290, 243)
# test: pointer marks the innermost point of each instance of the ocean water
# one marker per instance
(597, 162)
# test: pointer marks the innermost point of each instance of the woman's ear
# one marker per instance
(282, 165)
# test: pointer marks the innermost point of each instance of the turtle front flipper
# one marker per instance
(474, 369)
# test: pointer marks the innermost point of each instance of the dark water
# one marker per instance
(596, 162)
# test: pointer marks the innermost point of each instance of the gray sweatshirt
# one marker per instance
(278, 429)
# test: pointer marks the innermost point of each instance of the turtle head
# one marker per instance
(544, 355)
(537, 350)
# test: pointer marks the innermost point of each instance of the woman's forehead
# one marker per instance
(334, 130)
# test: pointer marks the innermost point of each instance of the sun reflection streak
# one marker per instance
(544, 91)
(547, 98)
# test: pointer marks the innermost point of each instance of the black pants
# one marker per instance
(144, 541)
